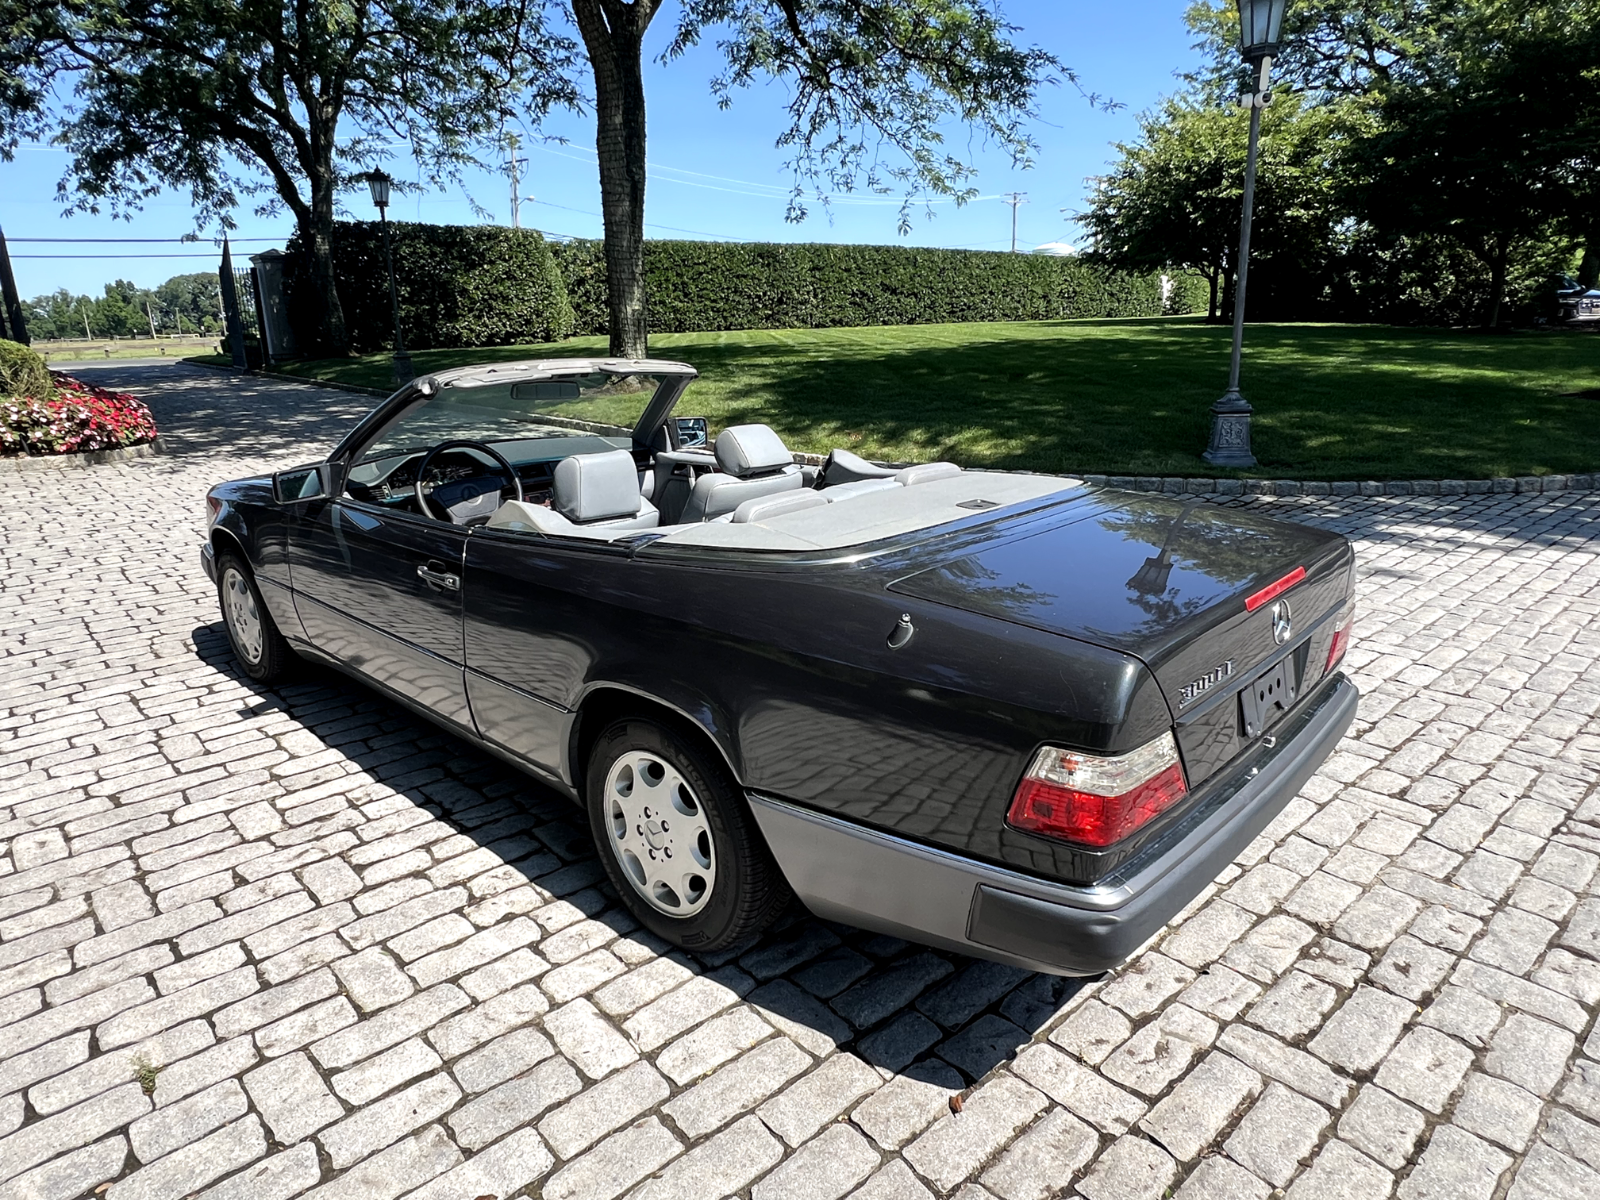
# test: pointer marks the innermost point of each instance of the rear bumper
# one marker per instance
(208, 561)
(865, 877)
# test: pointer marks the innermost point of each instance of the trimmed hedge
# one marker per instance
(484, 285)
(697, 287)
(23, 372)
(459, 285)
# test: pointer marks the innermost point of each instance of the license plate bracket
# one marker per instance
(1268, 696)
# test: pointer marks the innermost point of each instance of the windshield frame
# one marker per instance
(675, 378)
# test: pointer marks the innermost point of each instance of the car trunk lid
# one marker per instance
(1166, 582)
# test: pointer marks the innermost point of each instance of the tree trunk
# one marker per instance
(1211, 306)
(329, 336)
(613, 33)
(1497, 281)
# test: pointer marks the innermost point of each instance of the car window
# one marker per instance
(596, 403)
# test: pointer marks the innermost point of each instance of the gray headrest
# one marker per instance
(746, 449)
(596, 487)
(763, 507)
(925, 472)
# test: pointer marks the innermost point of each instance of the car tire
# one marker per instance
(261, 651)
(666, 814)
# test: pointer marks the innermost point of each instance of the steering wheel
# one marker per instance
(464, 510)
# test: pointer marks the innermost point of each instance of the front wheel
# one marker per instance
(677, 839)
(261, 650)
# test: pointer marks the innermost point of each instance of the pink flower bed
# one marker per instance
(78, 417)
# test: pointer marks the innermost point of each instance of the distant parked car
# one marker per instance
(1575, 302)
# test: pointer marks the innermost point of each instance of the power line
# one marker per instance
(103, 257)
(770, 191)
(130, 241)
(651, 224)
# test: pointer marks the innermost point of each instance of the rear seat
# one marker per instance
(925, 472)
(763, 507)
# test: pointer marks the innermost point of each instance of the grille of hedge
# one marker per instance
(696, 287)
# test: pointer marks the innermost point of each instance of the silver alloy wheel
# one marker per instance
(239, 607)
(658, 831)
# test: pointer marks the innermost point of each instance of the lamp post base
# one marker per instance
(1230, 432)
(402, 368)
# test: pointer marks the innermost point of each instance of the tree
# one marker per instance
(864, 78)
(27, 30)
(1172, 198)
(1331, 48)
(282, 103)
(189, 302)
(1492, 139)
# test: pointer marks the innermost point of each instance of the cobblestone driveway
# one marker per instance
(264, 944)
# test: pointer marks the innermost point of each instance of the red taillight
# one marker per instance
(1273, 590)
(1097, 801)
(1341, 643)
(213, 507)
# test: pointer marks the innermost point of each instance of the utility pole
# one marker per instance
(1014, 199)
(85, 307)
(513, 144)
(149, 316)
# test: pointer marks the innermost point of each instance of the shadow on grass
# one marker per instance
(1133, 397)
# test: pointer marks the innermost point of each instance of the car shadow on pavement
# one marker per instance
(932, 1016)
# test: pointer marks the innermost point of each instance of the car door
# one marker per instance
(380, 589)
(540, 612)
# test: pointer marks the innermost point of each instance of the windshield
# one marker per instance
(598, 402)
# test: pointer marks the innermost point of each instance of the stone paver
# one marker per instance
(296, 943)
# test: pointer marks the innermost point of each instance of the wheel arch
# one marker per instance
(606, 703)
(226, 541)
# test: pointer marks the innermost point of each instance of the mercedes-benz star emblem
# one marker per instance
(1282, 622)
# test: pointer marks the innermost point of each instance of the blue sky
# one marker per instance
(713, 172)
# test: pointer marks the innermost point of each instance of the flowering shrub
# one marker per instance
(77, 417)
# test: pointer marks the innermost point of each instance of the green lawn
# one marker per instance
(1131, 396)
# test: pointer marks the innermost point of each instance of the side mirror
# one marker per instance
(692, 431)
(302, 483)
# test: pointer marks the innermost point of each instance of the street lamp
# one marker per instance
(1260, 34)
(379, 183)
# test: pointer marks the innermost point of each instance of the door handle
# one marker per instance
(439, 578)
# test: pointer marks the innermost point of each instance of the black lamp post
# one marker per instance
(379, 182)
(1260, 33)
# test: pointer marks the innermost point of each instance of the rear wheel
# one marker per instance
(261, 650)
(677, 839)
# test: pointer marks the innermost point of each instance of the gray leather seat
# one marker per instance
(763, 507)
(602, 490)
(752, 461)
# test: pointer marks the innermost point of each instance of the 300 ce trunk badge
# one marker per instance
(1193, 690)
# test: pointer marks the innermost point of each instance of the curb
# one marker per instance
(1518, 485)
(87, 458)
(1309, 487)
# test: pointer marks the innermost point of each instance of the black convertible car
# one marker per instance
(1006, 714)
